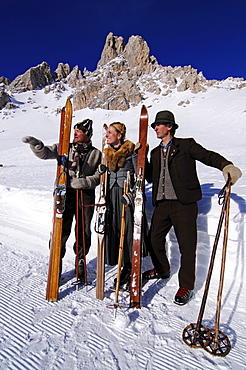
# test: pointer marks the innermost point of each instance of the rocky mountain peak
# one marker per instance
(35, 77)
(113, 47)
(136, 51)
(124, 74)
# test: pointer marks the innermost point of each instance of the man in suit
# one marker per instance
(176, 190)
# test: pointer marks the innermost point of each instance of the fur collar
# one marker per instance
(116, 158)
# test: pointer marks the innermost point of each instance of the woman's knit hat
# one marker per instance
(85, 126)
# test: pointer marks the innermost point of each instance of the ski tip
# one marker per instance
(69, 103)
(144, 112)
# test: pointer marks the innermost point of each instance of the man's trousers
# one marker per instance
(183, 218)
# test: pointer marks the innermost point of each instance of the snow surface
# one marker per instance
(79, 331)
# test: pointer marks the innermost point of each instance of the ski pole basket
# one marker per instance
(196, 335)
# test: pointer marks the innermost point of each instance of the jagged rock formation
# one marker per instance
(136, 52)
(62, 71)
(4, 80)
(111, 86)
(4, 97)
(114, 84)
(124, 74)
(39, 76)
(113, 47)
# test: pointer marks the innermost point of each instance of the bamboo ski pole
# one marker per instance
(122, 238)
(200, 332)
(83, 234)
(196, 335)
(77, 237)
(220, 344)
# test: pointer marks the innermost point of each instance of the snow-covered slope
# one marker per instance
(80, 332)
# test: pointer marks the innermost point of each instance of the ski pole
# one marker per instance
(83, 234)
(220, 344)
(196, 335)
(77, 237)
(121, 244)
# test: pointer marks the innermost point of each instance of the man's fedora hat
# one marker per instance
(163, 117)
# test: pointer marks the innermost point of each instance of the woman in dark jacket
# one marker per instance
(121, 158)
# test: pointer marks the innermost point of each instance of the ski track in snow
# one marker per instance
(79, 331)
(36, 334)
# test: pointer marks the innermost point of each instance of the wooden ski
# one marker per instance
(59, 203)
(136, 274)
(100, 226)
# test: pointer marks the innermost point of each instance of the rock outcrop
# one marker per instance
(115, 81)
(35, 77)
(4, 97)
(136, 52)
(113, 47)
(124, 74)
(126, 71)
(5, 81)
(62, 71)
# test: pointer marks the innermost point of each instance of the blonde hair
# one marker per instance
(120, 128)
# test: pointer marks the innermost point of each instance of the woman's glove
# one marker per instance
(139, 146)
(102, 169)
(32, 141)
(128, 199)
(233, 171)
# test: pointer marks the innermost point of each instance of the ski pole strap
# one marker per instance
(222, 192)
(94, 205)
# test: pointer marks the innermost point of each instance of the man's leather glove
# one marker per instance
(233, 171)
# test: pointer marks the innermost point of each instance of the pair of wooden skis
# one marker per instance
(136, 275)
(59, 206)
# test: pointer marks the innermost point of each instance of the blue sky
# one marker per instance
(207, 34)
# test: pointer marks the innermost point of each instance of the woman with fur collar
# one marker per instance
(121, 158)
